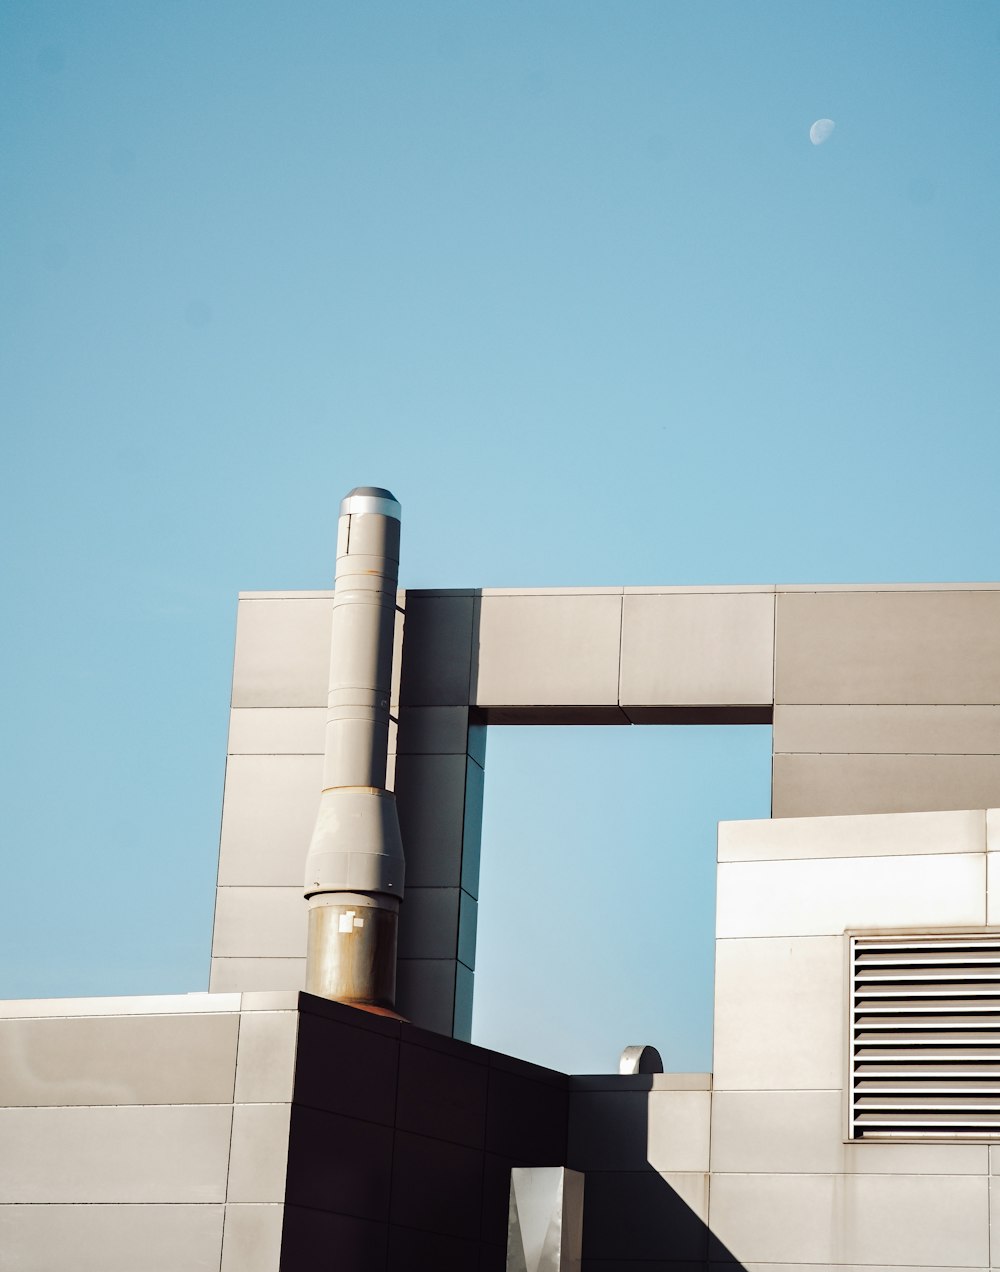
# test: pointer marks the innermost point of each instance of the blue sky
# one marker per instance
(571, 280)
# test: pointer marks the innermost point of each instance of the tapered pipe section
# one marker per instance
(354, 870)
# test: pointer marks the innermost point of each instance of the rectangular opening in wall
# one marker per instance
(597, 887)
(925, 1036)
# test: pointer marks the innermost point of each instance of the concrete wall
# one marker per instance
(884, 699)
(264, 1131)
(229, 1133)
(787, 1187)
(144, 1133)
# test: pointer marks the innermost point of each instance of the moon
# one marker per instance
(821, 130)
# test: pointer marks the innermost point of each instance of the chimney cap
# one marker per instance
(375, 499)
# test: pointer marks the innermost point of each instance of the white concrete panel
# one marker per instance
(992, 888)
(156, 1153)
(127, 1005)
(252, 1238)
(548, 649)
(880, 1220)
(835, 785)
(992, 871)
(913, 730)
(780, 1014)
(818, 897)
(678, 1130)
(777, 1131)
(260, 923)
(681, 1081)
(867, 1157)
(277, 730)
(259, 1155)
(875, 835)
(257, 974)
(188, 1059)
(268, 812)
(701, 648)
(265, 1067)
(282, 652)
(994, 1193)
(269, 1000)
(801, 1132)
(892, 648)
(113, 1238)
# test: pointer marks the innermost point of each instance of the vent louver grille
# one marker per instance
(925, 1045)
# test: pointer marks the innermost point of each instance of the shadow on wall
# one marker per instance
(642, 1143)
(401, 1146)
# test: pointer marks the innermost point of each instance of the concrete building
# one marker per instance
(852, 1117)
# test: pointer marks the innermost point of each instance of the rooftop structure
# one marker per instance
(852, 1118)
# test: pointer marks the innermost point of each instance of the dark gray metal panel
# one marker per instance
(360, 1244)
(339, 1164)
(525, 1119)
(443, 1096)
(873, 730)
(437, 649)
(893, 647)
(425, 992)
(833, 785)
(436, 1186)
(432, 923)
(410, 1250)
(430, 794)
(344, 1069)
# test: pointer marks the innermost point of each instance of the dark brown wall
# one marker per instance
(401, 1145)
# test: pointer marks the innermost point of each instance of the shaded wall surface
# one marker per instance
(883, 699)
(401, 1144)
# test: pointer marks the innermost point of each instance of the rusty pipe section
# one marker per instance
(354, 869)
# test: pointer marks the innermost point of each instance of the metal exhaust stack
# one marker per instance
(354, 870)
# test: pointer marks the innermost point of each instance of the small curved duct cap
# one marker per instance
(640, 1059)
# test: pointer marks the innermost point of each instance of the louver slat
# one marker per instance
(925, 1037)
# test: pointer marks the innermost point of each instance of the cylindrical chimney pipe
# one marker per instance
(354, 870)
